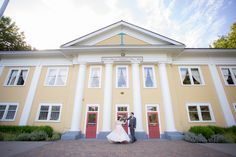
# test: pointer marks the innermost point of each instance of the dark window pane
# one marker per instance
(193, 116)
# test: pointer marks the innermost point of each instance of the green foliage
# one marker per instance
(230, 137)
(1, 136)
(217, 138)
(56, 136)
(10, 37)
(25, 129)
(217, 129)
(9, 137)
(23, 137)
(193, 138)
(38, 136)
(228, 41)
(204, 130)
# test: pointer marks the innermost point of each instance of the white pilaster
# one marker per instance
(106, 124)
(1, 69)
(221, 95)
(30, 97)
(169, 118)
(137, 96)
(78, 100)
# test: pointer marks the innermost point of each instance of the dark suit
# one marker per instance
(132, 126)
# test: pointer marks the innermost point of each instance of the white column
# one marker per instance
(1, 69)
(137, 96)
(106, 124)
(30, 97)
(221, 95)
(169, 118)
(78, 100)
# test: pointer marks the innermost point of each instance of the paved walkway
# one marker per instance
(101, 148)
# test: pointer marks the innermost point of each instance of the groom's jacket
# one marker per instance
(132, 122)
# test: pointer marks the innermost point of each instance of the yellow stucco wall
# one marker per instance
(15, 94)
(127, 40)
(230, 92)
(193, 94)
(55, 94)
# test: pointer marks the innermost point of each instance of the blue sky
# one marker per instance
(47, 24)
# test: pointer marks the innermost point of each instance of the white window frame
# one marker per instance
(90, 73)
(230, 69)
(190, 75)
(17, 76)
(159, 117)
(49, 112)
(199, 112)
(153, 73)
(234, 106)
(127, 78)
(57, 69)
(6, 111)
(86, 113)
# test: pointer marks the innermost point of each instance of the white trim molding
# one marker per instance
(228, 115)
(199, 112)
(100, 76)
(127, 75)
(30, 97)
(6, 110)
(50, 105)
(153, 74)
(202, 82)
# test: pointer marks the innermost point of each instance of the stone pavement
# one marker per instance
(101, 148)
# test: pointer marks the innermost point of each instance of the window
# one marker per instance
(151, 108)
(191, 76)
(56, 76)
(49, 112)
(92, 108)
(200, 113)
(16, 77)
(8, 111)
(122, 108)
(229, 75)
(149, 77)
(95, 77)
(122, 77)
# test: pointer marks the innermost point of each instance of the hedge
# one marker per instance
(204, 130)
(25, 129)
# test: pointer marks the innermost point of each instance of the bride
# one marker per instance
(118, 134)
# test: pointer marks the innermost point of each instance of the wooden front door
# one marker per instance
(153, 126)
(125, 115)
(91, 125)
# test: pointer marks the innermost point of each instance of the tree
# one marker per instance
(227, 41)
(10, 37)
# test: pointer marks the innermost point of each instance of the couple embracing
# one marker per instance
(119, 134)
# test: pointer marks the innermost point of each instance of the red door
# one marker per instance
(153, 126)
(91, 126)
(125, 115)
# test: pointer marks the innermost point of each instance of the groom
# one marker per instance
(132, 126)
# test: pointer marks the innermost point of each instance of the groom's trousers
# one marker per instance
(132, 132)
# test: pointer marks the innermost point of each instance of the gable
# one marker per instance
(122, 39)
(122, 33)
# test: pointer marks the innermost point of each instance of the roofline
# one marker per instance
(124, 22)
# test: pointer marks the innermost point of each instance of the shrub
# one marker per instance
(230, 137)
(204, 130)
(217, 129)
(193, 138)
(232, 129)
(38, 136)
(55, 137)
(1, 136)
(25, 129)
(23, 137)
(217, 139)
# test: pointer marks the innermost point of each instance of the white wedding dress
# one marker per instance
(118, 134)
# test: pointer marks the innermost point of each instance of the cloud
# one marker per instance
(196, 24)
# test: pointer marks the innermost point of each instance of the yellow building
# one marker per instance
(80, 88)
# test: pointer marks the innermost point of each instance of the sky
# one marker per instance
(47, 24)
